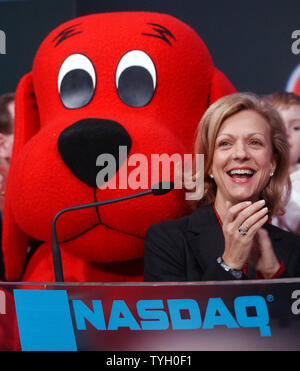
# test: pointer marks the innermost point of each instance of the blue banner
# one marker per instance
(253, 315)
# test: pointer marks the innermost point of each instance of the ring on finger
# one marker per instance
(243, 229)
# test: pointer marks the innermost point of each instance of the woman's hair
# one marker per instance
(205, 138)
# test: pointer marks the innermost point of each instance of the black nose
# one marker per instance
(80, 144)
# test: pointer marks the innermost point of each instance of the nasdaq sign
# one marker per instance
(261, 314)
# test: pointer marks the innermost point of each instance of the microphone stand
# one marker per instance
(156, 190)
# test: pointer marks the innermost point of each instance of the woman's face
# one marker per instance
(243, 157)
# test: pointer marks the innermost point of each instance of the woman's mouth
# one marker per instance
(241, 175)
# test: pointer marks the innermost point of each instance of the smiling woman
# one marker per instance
(243, 158)
(244, 135)
(229, 236)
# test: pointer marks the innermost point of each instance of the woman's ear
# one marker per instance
(210, 173)
(273, 164)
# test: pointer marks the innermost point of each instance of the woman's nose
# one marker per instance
(240, 151)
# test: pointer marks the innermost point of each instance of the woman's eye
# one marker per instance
(224, 143)
(256, 142)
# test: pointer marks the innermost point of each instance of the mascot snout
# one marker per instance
(80, 144)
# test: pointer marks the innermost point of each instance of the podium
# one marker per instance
(192, 316)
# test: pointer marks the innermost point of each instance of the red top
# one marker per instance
(245, 266)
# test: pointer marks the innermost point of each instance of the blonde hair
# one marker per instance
(205, 138)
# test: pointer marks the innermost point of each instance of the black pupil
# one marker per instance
(76, 89)
(136, 87)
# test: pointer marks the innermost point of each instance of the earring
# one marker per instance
(271, 173)
(211, 176)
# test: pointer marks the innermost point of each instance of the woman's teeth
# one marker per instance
(241, 173)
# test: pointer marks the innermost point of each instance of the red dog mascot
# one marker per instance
(136, 80)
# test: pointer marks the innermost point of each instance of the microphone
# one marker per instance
(156, 190)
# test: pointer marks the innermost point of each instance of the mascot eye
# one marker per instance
(136, 78)
(76, 81)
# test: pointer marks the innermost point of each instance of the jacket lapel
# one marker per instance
(205, 236)
(278, 244)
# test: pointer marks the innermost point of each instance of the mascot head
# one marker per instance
(127, 86)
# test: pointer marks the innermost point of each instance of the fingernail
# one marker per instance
(248, 202)
(262, 202)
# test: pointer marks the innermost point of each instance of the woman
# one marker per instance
(230, 235)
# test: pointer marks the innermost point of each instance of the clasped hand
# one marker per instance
(255, 246)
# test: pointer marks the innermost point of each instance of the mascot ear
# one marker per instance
(27, 123)
(220, 86)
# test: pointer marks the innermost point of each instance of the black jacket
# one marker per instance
(187, 249)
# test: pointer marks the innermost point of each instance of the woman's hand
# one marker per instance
(251, 217)
(262, 256)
